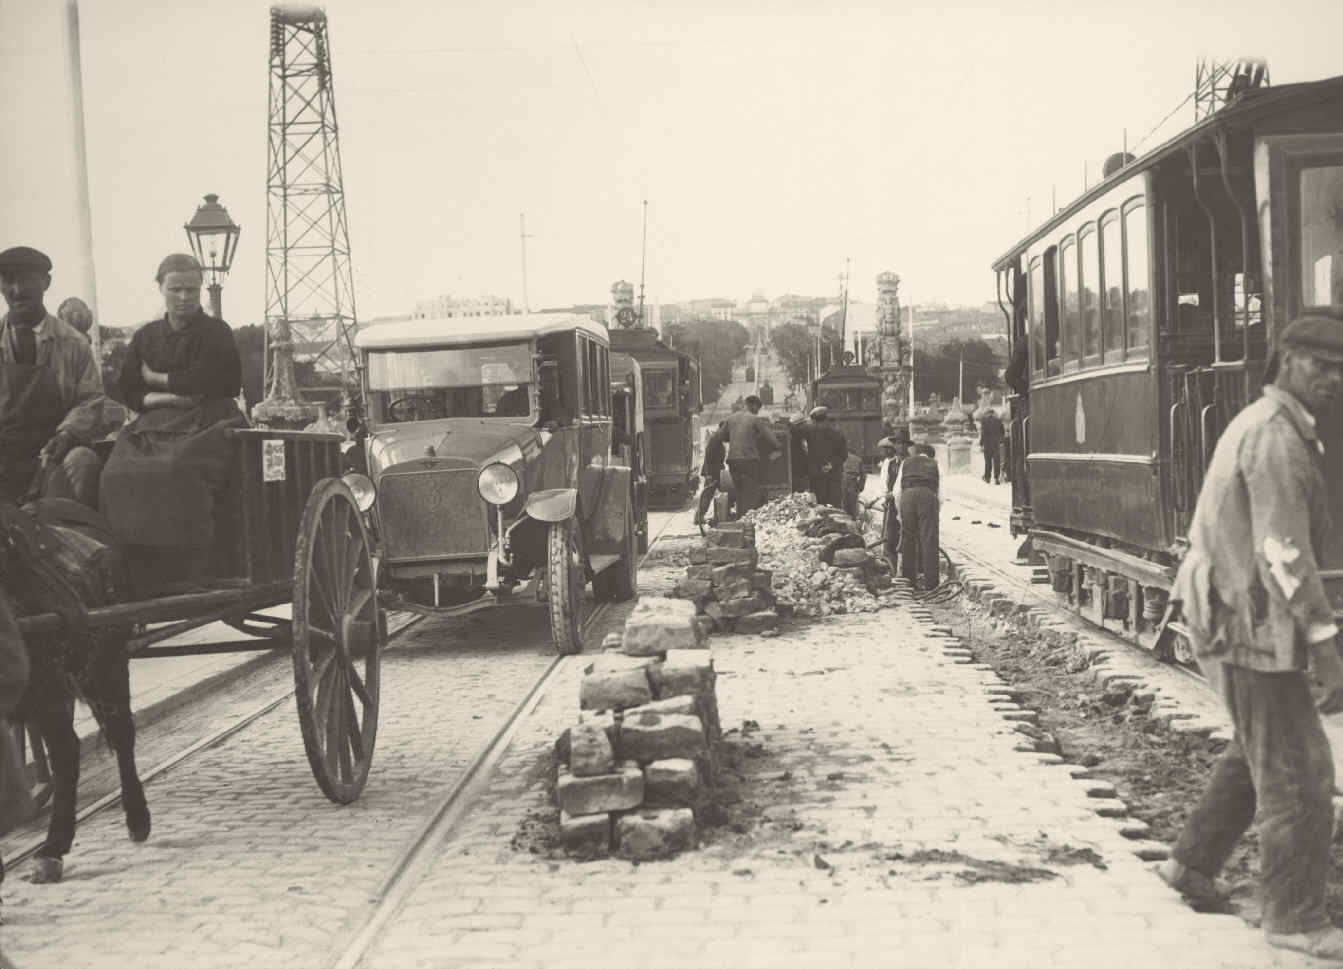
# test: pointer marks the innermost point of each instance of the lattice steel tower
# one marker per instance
(1217, 83)
(310, 310)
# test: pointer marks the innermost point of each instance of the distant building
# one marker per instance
(715, 308)
(447, 307)
(939, 323)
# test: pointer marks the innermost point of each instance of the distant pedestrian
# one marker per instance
(1257, 611)
(747, 434)
(826, 451)
(991, 436)
(917, 485)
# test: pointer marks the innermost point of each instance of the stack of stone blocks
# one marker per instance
(726, 584)
(635, 769)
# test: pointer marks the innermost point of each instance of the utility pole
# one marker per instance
(85, 282)
(844, 314)
(522, 224)
(960, 381)
(643, 265)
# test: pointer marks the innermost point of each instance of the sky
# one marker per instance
(773, 142)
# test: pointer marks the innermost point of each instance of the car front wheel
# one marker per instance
(564, 586)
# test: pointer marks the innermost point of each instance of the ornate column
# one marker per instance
(891, 360)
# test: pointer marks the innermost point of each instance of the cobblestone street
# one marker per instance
(248, 863)
(905, 830)
(899, 825)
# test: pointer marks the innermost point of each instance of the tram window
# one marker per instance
(1068, 292)
(1051, 311)
(1321, 209)
(1091, 283)
(1112, 273)
(1036, 318)
(1138, 296)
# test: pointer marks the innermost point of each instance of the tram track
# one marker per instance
(1011, 576)
(399, 624)
(406, 872)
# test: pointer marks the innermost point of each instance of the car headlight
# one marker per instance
(361, 486)
(497, 484)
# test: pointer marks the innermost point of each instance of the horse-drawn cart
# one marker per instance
(288, 528)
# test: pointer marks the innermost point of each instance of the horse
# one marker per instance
(56, 556)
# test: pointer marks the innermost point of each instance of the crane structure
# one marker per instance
(310, 305)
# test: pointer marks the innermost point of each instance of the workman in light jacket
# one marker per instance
(890, 522)
(747, 434)
(1256, 611)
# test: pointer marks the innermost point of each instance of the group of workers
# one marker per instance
(181, 374)
(908, 479)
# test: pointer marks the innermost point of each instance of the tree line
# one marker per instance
(716, 344)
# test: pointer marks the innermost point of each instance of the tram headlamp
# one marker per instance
(361, 486)
(497, 484)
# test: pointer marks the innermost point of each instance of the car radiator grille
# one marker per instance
(432, 514)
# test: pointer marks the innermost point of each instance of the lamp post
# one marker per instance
(214, 240)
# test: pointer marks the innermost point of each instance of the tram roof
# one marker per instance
(1249, 107)
(471, 330)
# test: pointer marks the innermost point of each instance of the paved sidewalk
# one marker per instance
(902, 828)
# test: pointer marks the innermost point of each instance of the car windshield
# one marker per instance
(423, 385)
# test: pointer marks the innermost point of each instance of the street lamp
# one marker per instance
(214, 240)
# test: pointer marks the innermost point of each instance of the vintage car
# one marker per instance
(490, 473)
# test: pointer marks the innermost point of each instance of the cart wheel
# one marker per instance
(619, 582)
(35, 759)
(338, 637)
(564, 586)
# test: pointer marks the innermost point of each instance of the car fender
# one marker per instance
(604, 531)
(552, 504)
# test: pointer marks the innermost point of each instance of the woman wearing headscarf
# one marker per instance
(169, 466)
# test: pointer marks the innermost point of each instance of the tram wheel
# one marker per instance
(338, 638)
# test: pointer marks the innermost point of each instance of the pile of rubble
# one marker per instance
(818, 558)
(726, 583)
(633, 771)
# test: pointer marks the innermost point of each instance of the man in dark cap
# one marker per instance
(826, 451)
(51, 391)
(747, 434)
(1258, 615)
(991, 436)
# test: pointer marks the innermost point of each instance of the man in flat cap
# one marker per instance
(1258, 615)
(51, 390)
(826, 451)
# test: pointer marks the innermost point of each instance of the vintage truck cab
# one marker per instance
(490, 469)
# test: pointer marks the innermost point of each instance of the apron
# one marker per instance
(165, 473)
(31, 408)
